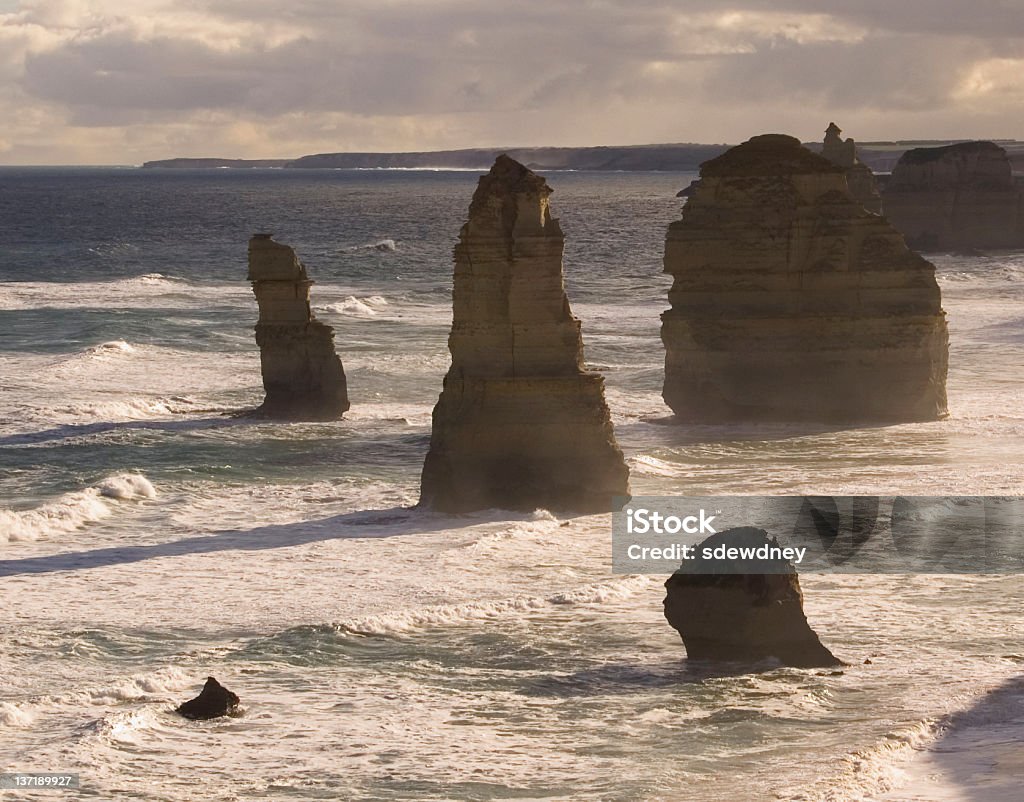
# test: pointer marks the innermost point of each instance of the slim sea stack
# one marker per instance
(302, 374)
(958, 197)
(792, 302)
(860, 179)
(519, 424)
(729, 610)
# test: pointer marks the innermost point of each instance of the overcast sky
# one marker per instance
(122, 81)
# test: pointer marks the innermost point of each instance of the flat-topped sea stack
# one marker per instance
(957, 197)
(730, 610)
(302, 374)
(843, 153)
(792, 302)
(520, 424)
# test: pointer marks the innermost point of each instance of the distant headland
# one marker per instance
(879, 156)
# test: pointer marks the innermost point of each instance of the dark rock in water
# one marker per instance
(213, 702)
(724, 615)
(302, 374)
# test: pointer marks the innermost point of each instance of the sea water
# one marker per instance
(148, 539)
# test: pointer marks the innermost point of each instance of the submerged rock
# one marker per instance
(792, 302)
(519, 424)
(724, 613)
(213, 701)
(302, 374)
(958, 197)
(859, 178)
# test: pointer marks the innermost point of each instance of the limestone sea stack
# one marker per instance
(958, 197)
(724, 611)
(792, 302)
(302, 374)
(860, 179)
(520, 424)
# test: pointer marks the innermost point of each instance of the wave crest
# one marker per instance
(74, 510)
(359, 307)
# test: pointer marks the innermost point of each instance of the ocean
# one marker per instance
(148, 539)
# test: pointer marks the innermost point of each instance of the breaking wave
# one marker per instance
(126, 409)
(112, 348)
(157, 686)
(73, 510)
(406, 621)
(381, 245)
(359, 307)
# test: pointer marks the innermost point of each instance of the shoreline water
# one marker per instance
(366, 639)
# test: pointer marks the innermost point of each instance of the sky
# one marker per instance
(124, 81)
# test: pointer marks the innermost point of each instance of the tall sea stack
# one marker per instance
(860, 179)
(792, 302)
(519, 424)
(958, 197)
(302, 374)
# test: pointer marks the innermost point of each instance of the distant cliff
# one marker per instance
(879, 156)
(206, 163)
(630, 157)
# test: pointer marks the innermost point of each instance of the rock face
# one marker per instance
(302, 374)
(213, 701)
(791, 302)
(956, 197)
(520, 424)
(724, 614)
(860, 179)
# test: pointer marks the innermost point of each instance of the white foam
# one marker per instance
(651, 466)
(137, 292)
(74, 510)
(406, 621)
(126, 409)
(110, 348)
(127, 486)
(122, 726)
(876, 770)
(163, 685)
(359, 307)
(13, 715)
(382, 245)
(410, 414)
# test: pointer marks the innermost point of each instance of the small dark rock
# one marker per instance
(213, 702)
(867, 661)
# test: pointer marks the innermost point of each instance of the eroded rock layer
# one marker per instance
(723, 612)
(302, 375)
(519, 424)
(790, 301)
(860, 179)
(959, 197)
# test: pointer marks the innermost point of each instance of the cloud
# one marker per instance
(152, 78)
